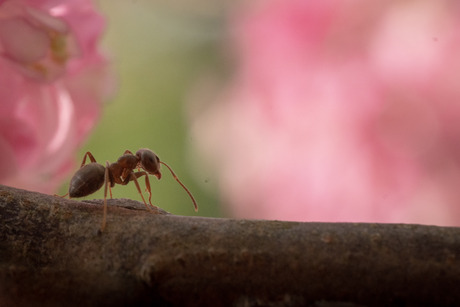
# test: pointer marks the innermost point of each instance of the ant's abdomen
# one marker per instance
(87, 180)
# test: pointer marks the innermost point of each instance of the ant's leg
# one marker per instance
(91, 157)
(149, 190)
(63, 196)
(106, 180)
(147, 184)
(134, 177)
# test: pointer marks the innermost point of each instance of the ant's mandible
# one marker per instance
(90, 177)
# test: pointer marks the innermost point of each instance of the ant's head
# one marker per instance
(149, 161)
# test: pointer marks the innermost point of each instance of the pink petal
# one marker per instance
(22, 42)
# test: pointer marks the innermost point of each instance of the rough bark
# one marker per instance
(53, 254)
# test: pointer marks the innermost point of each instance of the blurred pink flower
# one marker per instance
(53, 80)
(340, 111)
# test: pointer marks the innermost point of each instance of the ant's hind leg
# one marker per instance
(106, 184)
(91, 157)
(62, 196)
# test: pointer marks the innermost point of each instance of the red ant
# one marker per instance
(90, 177)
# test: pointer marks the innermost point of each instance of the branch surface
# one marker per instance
(53, 254)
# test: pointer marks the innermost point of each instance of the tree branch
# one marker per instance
(52, 253)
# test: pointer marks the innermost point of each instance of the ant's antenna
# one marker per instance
(185, 188)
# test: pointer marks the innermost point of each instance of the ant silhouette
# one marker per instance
(90, 177)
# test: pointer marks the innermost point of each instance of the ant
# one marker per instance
(90, 177)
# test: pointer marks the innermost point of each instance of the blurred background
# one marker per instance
(331, 111)
(158, 49)
(293, 110)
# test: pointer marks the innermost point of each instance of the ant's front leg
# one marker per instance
(134, 177)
